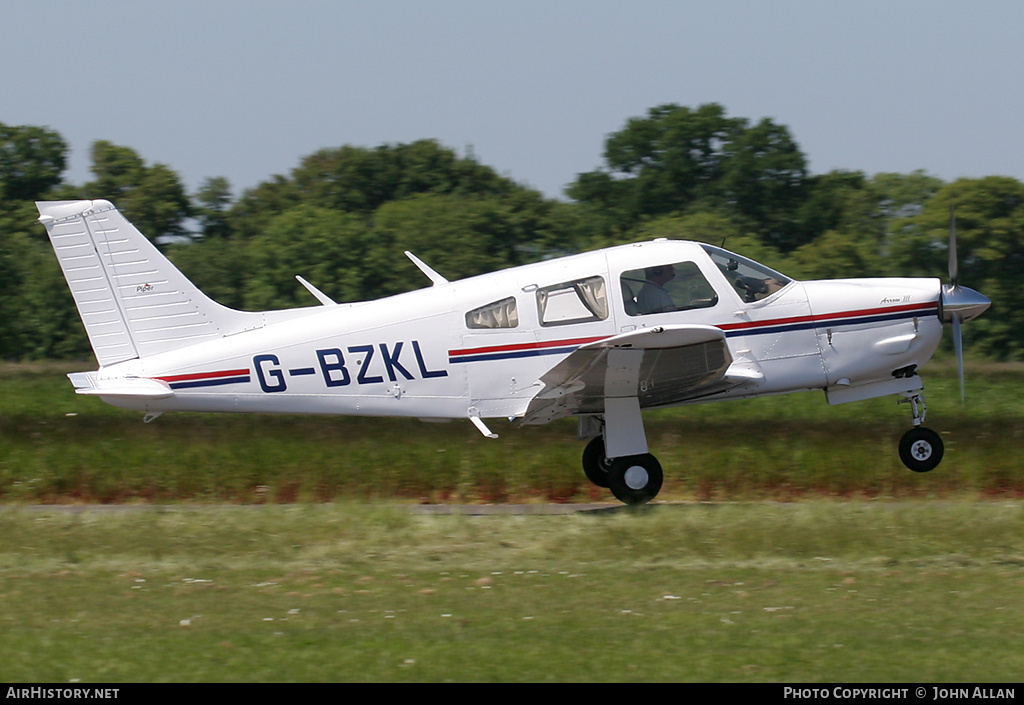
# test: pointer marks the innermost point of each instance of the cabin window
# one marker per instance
(752, 280)
(679, 286)
(577, 301)
(500, 314)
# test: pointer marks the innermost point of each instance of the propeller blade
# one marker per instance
(958, 347)
(954, 266)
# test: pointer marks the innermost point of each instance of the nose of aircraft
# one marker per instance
(961, 303)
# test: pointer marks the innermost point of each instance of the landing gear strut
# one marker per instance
(920, 448)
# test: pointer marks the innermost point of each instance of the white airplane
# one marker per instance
(600, 335)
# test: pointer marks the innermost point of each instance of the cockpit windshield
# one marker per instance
(752, 280)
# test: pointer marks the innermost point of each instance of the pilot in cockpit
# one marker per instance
(653, 297)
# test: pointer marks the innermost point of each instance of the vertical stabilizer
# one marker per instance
(132, 300)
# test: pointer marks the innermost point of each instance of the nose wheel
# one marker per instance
(920, 448)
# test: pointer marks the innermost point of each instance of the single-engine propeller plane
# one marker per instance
(601, 336)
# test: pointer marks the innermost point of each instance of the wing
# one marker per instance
(658, 366)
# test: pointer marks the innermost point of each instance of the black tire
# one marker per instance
(595, 464)
(635, 479)
(921, 449)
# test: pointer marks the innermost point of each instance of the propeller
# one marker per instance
(959, 303)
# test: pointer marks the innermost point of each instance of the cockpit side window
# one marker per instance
(500, 314)
(679, 286)
(752, 280)
(576, 301)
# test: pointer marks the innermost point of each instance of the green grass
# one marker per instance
(816, 591)
(57, 447)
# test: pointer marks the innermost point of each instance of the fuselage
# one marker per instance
(478, 346)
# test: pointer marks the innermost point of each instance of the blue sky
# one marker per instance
(244, 89)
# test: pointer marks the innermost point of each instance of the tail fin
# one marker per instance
(132, 300)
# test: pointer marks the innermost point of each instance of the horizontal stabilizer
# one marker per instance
(138, 387)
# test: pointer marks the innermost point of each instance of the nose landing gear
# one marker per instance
(920, 448)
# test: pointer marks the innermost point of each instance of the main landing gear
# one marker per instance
(633, 479)
(920, 448)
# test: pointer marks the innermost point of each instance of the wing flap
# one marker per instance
(658, 366)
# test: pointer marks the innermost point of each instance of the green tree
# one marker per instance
(702, 226)
(836, 255)
(848, 221)
(360, 180)
(989, 216)
(218, 266)
(827, 203)
(764, 175)
(15, 308)
(677, 160)
(659, 163)
(38, 317)
(210, 208)
(32, 160)
(324, 246)
(903, 195)
(458, 236)
(152, 197)
(257, 206)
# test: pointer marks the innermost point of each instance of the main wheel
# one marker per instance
(921, 449)
(595, 464)
(635, 479)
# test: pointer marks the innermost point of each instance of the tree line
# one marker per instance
(343, 216)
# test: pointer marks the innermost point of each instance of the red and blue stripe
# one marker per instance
(843, 318)
(519, 350)
(207, 379)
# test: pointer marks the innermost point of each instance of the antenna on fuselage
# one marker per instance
(432, 275)
(320, 296)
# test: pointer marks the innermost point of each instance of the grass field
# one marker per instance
(814, 591)
(863, 572)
